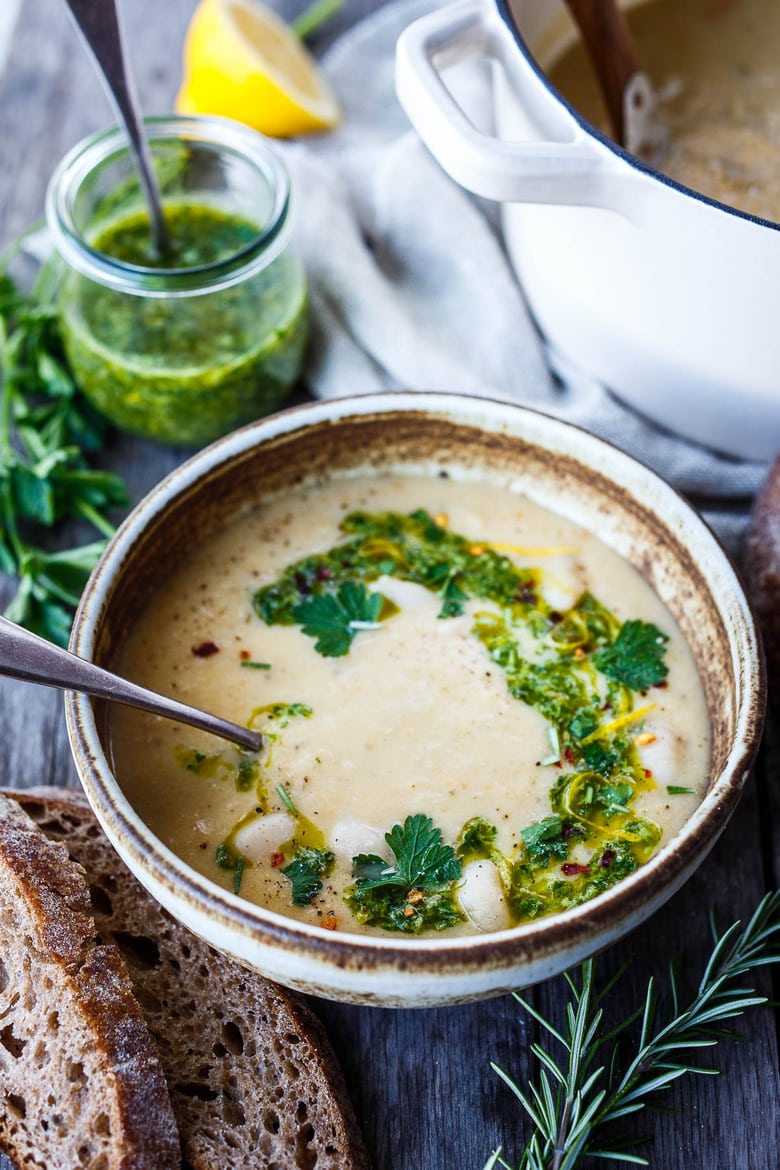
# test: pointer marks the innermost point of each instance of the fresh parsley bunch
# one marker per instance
(47, 432)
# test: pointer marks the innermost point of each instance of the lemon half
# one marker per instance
(242, 61)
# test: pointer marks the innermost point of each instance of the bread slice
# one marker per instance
(252, 1078)
(80, 1079)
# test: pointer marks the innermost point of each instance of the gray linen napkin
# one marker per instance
(411, 288)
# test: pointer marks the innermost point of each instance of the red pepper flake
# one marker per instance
(329, 921)
(244, 655)
(662, 685)
(205, 649)
(607, 857)
(573, 868)
(277, 859)
(324, 573)
(568, 755)
(648, 773)
(526, 593)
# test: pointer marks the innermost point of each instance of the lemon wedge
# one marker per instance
(242, 61)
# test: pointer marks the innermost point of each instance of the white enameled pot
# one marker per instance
(667, 297)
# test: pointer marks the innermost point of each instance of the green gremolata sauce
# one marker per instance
(186, 369)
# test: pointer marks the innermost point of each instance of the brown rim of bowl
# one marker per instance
(602, 916)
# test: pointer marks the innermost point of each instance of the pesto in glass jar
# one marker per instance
(185, 347)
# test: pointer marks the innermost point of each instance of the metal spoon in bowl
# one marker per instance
(628, 93)
(99, 25)
(26, 656)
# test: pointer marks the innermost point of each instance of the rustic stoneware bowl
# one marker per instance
(559, 467)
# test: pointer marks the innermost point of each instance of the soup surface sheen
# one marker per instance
(714, 65)
(481, 717)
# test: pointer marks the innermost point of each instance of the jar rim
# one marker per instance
(107, 145)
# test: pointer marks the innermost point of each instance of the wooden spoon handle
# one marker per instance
(761, 570)
(611, 49)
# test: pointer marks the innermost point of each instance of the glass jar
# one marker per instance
(185, 347)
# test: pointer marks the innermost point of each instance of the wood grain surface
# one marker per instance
(421, 1081)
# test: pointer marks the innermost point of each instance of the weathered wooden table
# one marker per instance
(421, 1081)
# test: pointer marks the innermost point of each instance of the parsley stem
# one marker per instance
(18, 546)
(90, 513)
(15, 247)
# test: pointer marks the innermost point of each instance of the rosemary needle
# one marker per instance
(575, 1103)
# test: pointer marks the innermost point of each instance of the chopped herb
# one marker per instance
(417, 892)
(224, 856)
(544, 840)
(305, 872)
(477, 838)
(335, 619)
(411, 548)
(555, 744)
(282, 712)
(286, 800)
(242, 767)
(247, 772)
(635, 658)
(255, 665)
(678, 790)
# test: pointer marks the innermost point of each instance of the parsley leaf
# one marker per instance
(421, 858)
(635, 658)
(334, 619)
(417, 892)
(305, 871)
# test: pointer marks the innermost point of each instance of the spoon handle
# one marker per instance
(99, 25)
(26, 656)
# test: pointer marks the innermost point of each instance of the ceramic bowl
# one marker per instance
(559, 467)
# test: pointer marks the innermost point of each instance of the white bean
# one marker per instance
(562, 580)
(351, 837)
(663, 756)
(481, 897)
(264, 836)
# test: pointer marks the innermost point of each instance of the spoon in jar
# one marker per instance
(32, 659)
(98, 23)
(631, 101)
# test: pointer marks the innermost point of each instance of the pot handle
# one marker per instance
(546, 171)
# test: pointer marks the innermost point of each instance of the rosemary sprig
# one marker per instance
(47, 430)
(574, 1105)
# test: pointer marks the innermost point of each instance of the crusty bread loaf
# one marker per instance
(252, 1079)
(80, 1080)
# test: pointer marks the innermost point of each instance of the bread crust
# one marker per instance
(80, 1076)
(252, 1077)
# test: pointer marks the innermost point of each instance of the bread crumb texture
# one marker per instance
(252, 1079)
(81, 1083)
